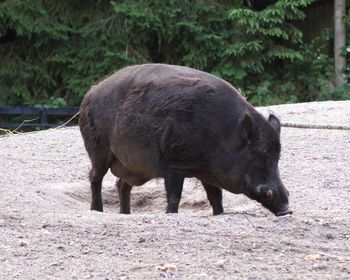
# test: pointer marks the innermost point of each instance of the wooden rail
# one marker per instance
(42, 114)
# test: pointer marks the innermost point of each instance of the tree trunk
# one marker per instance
(339, 41)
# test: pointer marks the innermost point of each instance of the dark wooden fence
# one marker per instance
(38, 115)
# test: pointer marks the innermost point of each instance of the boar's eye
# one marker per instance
(263, 161)
(260, 163)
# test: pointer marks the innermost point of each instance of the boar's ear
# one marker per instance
(247, 127)
(275, 123)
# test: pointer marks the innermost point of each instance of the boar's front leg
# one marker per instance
(124, 196)
(173, 180)
(214, 195)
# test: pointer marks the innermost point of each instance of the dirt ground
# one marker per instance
(48, 232)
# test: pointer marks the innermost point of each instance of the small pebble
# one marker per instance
(165, 267)
(142, 240)
(23, 243)
(312, 257)
(45, 225)
(166, 270)
(329, 236)
(88, 276)
(220, 263)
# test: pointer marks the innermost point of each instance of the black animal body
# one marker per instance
(164, 121)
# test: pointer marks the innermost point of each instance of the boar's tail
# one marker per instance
(87, 126)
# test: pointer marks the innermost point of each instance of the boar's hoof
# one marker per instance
(218, 212)
(98, 208)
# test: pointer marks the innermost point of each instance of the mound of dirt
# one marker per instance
(48, 232)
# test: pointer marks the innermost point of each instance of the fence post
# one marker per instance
(43, 118)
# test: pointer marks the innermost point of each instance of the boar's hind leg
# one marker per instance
(124, 196)
(100, 162)
(214, 195)
(173, 180)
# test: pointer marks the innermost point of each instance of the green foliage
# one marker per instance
(346, 53)
(52, 52)
(192, 33)
(306, 79)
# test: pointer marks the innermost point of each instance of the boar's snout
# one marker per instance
(279, 209)
(274, 197)
(284, 210)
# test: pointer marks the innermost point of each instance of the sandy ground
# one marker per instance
(48, 232)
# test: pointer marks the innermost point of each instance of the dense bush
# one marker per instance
(52, 52)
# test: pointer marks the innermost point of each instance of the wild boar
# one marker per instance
(165, 121)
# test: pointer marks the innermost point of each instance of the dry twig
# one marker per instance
(25, 121)
(67, 122)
